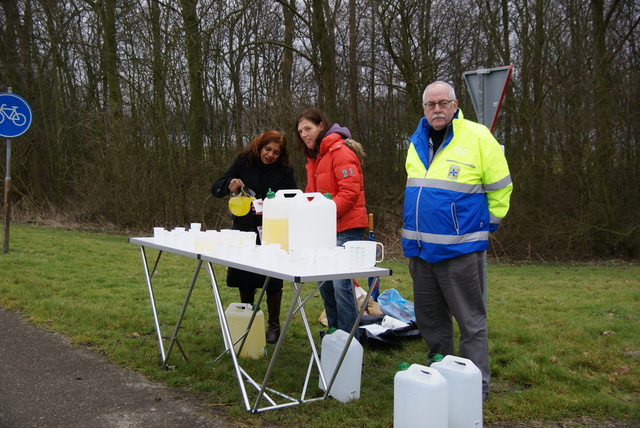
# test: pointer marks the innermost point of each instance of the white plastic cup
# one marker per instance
(257, 205)
(283, 260)
(302, 261)
(325, 258)
(200, 243)
(158, 235)
(342, 257)
(211, 240)
(222, 248)
(248, 238)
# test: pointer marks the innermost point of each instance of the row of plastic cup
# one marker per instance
(241, 246)
(159, 232)
(200, 241)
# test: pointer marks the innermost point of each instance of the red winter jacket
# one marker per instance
(337, 171)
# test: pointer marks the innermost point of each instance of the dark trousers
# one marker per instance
(452, 289)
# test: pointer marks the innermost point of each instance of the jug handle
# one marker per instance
(381, 252)
(285, 192)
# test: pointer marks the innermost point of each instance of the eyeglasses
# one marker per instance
(442, 103)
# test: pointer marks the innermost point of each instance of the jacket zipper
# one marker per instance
(454, 217)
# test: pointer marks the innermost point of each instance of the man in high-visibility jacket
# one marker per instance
(458, 190)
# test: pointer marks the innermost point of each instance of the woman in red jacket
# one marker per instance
(333, 166)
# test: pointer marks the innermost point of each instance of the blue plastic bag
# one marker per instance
(393, 304)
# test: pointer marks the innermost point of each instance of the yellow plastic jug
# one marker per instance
(240, 201)
(275, 217)
(238, 317)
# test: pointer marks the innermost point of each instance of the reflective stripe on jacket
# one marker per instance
(451, 205)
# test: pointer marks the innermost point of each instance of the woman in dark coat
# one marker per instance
(262, 166)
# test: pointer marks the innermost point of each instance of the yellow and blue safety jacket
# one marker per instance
(456, 196)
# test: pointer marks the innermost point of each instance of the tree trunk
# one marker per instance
(193, 46)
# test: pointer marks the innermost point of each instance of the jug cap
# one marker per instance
(433, 357)
(271, 194)
(328, 195)
(403, 366)
(332, 330)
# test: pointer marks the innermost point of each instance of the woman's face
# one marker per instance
(309, 132)
(270, 153)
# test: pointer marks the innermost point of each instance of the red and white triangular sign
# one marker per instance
(487, 87)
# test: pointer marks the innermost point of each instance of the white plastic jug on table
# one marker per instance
(312, 222)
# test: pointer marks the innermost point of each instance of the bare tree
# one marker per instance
(130, 127)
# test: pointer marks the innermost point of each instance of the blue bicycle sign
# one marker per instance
(15, 115)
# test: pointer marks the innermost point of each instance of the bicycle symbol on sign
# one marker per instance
(18, 119)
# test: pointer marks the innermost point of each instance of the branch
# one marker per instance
(295, 12)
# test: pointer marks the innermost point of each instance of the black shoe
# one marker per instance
(273, 334)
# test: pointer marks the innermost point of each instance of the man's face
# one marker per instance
(439, 115)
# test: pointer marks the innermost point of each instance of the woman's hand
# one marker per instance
(235, 184)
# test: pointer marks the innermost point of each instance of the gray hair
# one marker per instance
(452, 92)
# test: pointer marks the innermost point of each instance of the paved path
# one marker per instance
(45, 381)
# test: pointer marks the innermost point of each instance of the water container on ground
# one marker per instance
(465, 391)
(238, 316)
(346, 386)
(420, 398)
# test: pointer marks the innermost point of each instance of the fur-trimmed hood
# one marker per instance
(356, 147)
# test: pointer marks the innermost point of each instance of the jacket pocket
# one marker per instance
(462, 163)
(454, 218)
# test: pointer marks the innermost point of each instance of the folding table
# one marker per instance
(308, 277)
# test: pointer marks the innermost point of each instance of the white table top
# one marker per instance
(292, 272)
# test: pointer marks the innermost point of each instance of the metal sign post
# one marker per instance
(15, 120)
(487, 87)
(7, 199)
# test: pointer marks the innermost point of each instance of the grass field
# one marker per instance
(564, 338)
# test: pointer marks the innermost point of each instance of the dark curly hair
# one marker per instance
(252, 152)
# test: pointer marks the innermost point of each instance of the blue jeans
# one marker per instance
(339, 302)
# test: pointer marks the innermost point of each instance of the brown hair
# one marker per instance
(252, 152)
(316, 116)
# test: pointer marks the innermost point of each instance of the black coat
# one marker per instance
(259, 178)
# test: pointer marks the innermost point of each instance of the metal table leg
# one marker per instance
(164, 355)
(226, 336)
(174, 336)
(148, 276)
